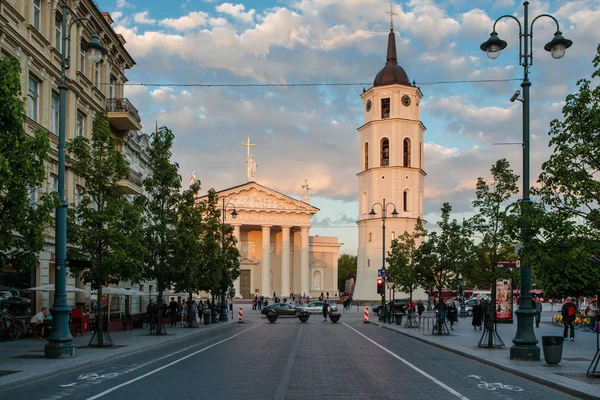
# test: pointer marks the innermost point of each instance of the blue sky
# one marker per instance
(310, 132)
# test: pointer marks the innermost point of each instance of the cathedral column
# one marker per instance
(285, 261)
(236, 234)
(304, 267)
(266, 261)
(336, 289)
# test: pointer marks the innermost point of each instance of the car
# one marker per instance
(316, 307)
(282, 309)
(469, 306)
(16, 305)
(399, 305)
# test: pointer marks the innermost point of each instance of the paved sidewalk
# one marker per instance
(569, 376)
(27, 355)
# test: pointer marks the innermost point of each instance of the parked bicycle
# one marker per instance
(10, 328)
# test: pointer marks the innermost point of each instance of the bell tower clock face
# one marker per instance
(369, 105)
(405, 100)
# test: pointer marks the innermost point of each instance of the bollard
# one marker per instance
(240, 316)
(366, 318)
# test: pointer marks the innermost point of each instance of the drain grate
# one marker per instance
(5, 372)
(576, 359)
(580, 376)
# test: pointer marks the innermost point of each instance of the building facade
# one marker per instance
(31, 31)
(391, 169)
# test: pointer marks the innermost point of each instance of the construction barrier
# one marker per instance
(240, 316)
(366, 318)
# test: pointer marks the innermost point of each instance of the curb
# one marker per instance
(534, 378)
(105, 357)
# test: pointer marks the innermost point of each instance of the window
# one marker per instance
(33, 109)
(111, 87)
(97, 75)
(366, 156)
(385, 152)
(82, 57)
(385, 108)
(58, 32)
(80, 124)
(55, 112)
(405, 201)
(36, 14)
(53, 188)
(33, 197)
(406, 152)
(393, 235)
(370, 236)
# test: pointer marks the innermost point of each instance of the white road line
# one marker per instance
(129, 382)
(425, 374)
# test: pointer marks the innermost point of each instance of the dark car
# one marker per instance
(399, 305)
(282, 309)
(16, 305)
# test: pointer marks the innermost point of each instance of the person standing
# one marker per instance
(538, 311)
(477, 315)
(173, 311)
(325, 309)
(260, 302)
(452, 315)
(568, 312)
(151, 315)
(593, 313)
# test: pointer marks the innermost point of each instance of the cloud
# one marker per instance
(237, 12)
(142, 18)
(193, 20)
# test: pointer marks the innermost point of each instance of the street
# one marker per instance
(287, 360)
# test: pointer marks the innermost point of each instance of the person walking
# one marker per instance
(254, 302)
(568, 312)
(325, 310)
(260, 302)
(452, 315)
(538, 312)
(477, 315)
(173, 311)
(151, 315)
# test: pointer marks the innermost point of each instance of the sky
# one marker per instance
(311, 131)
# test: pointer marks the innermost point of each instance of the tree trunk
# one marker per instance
(190, 313)
(492, 316)
(100, 327)
(159, 313)
(440, 314)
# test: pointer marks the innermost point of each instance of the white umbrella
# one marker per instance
(113, 290)
(51, 288)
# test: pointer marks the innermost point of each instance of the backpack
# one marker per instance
(570, 310)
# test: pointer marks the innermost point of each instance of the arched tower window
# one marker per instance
(385, 108)
(406, 200)
(393, 235)
(406, 152)
(364, 203)
(366, 156)
(385, 152)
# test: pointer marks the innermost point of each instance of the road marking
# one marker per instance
(425, 374)
(495, 385)
(129, 382)
(287, 372)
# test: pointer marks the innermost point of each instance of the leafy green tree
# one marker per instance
(22, 171)
(403, 266)
(104, 227)
(491, 224)
(347, 267)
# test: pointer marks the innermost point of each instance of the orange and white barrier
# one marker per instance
(240, 316)
(366, 319)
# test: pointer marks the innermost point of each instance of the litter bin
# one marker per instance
(553, 347)
(399, 317)
(206, 316)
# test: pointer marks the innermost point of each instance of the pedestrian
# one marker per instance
(538, 312)
(452, 315)
(151, 315)
(477, 314)
(325, 309)
(593, 313)
(255, 302)
(173, 311)
(260, 302)
(184, 308)
(568, 313)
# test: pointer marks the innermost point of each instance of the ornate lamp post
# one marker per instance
(525, 343)
(60, 342)
(372, 213)
(223, 316)
(463, 312)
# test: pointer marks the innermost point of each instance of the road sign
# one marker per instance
(507, 264)
(390, 285)
(380, 272)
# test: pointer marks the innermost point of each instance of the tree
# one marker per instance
(104, 226)
(22, 158)
(161, 208)
(347, 266)
(495, 231)
(442, 254)
(403, 266)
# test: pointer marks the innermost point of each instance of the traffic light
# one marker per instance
(380, 286)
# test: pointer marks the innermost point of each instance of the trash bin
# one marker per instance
(553, 347)
(206, 316)
(399, 317)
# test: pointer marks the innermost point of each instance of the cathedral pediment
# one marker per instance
(246, 261)
(318, 264)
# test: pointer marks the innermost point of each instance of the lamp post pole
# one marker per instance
(383, 246)
(525, 342)
(223, 315)
(60, 342)
(463, 312)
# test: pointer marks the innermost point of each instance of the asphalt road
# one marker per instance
(287, 360)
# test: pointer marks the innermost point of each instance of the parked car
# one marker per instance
(282, 309)
(399, 305)
(16, 305)
(316, 307)
(469, 306)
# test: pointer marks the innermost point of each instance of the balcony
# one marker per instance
(122, 115)
(133, 183)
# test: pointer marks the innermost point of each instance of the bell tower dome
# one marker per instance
(390, 167)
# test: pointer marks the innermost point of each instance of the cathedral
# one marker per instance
(391, 176)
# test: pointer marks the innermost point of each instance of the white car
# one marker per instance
(316, 307)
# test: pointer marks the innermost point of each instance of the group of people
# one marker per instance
(178, 312)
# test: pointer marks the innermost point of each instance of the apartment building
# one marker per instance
(32, 31)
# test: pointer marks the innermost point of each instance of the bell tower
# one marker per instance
(390, 167)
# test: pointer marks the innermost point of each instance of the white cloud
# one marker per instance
(237, 12)
(142, 18)
(192, 20)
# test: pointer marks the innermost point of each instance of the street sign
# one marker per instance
(390, 285)
(380, 273)
(507, 264)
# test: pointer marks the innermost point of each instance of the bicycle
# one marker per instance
(557, 320)
(9, 327)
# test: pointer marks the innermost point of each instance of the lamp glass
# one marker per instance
(94, 55)
(558, 51)
(234, 214)
(493, 51)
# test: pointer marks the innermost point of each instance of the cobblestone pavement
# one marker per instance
(288, 360)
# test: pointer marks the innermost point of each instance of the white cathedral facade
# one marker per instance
(390, 169)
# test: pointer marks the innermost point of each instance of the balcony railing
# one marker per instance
(123, 105)
(136, 178)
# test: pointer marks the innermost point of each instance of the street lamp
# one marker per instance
(372, 213)
(463, 311)
(60, 342)
(234, 214)
(525, 343)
